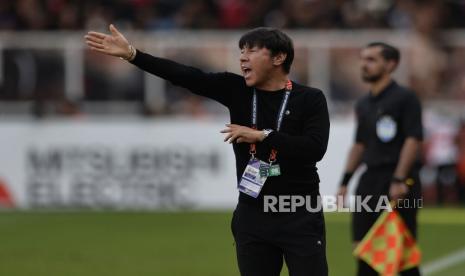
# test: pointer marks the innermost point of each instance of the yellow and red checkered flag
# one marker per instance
(389, 247)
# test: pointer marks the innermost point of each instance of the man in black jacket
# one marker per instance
(279, 130)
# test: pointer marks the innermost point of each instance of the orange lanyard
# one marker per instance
(279, 120)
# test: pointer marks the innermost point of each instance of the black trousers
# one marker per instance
(376, 182)
(265, 240)
(446, 177)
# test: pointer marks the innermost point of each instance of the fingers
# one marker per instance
(232, 137)
(227, 130)
(95, 45)
(234, 134)
(405, 189)
(96, 35)
(238, 139)
(113, 30)
(397, 191)
(227, 137)
(395, 195)
(93, 39)
(99, 50)
(392, 192)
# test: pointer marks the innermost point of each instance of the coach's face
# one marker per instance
(373, 64)
(256, 65)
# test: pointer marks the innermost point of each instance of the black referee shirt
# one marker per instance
(303, 137)
(385, 121)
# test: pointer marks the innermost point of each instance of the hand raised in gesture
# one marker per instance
(114, 44)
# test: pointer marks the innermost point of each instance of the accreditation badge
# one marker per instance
(386, 128)
(274, 170)
(252, 180)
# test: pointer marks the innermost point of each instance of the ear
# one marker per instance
(279, 59)
(392, 65)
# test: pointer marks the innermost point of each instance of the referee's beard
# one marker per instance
(372, 78)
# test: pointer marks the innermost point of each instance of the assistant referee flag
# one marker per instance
(389, 247)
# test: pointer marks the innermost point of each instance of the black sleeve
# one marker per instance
(314, 141)
(216, 86)
(411, 117)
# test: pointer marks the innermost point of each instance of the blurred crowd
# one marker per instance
(443, 174)
(228, 14)
(432, 66)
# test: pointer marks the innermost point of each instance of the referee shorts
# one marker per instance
(376, 182)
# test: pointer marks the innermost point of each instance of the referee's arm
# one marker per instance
(407, 157)
(354, 159)
(413, 128)
(353, 162)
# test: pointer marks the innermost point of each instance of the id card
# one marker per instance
(252, 181)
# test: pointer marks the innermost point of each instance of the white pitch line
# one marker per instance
(444, 262)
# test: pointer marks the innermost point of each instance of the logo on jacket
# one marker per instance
(386, 128)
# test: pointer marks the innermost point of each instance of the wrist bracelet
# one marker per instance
(132, 54)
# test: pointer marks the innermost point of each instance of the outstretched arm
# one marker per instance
(216, 86)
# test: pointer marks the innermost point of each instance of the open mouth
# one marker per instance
(246, 71)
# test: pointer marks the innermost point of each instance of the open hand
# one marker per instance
(242, 134)
(115, 44)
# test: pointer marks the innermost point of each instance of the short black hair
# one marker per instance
(272, 39)
(388, 52)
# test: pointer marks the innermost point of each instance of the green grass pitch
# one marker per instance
(179, 243)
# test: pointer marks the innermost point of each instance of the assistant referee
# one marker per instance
(388, 140)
